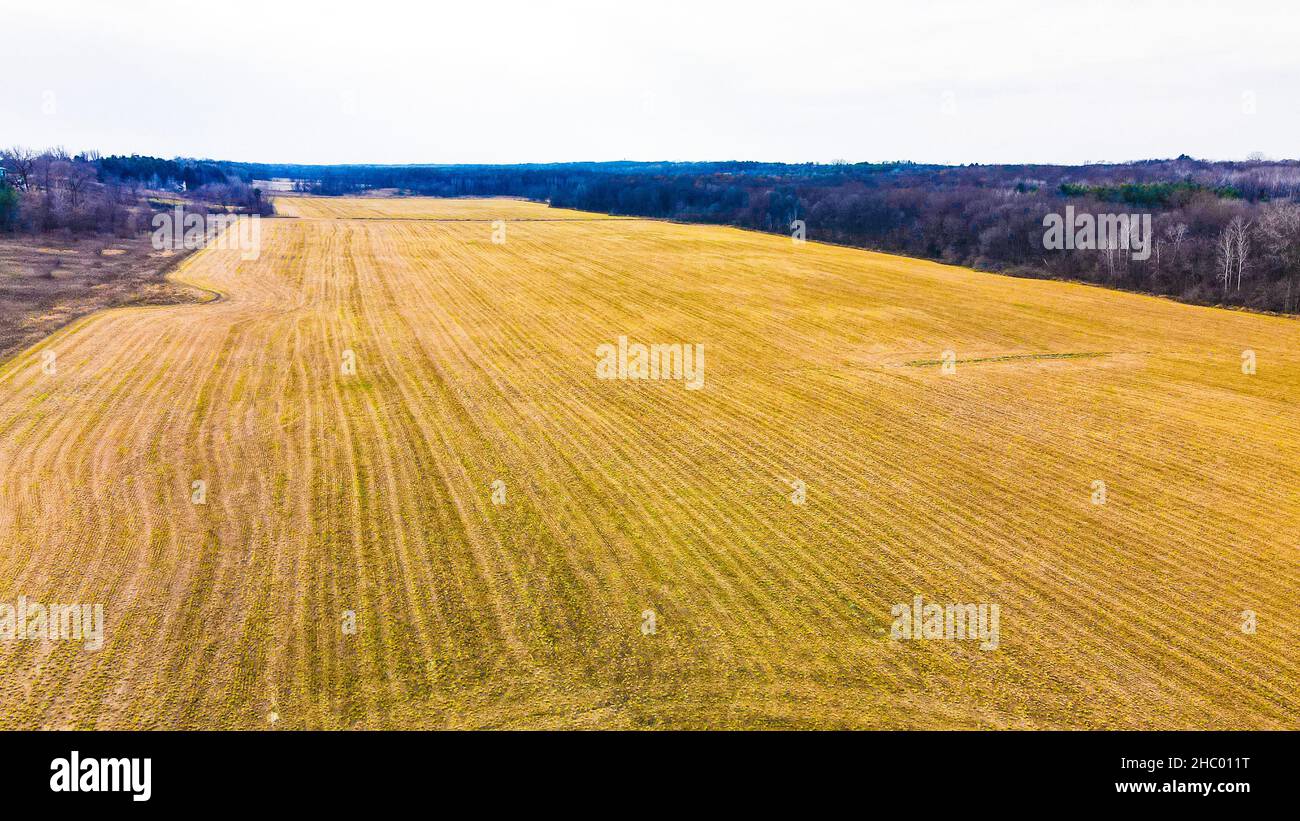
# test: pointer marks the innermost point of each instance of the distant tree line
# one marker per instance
(53, 190)
(1223, 232)
(159, 174)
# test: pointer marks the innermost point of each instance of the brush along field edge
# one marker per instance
(329, 492)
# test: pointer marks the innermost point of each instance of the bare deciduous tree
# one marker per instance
(1225, 257)
(1240, 246)
(1177, 234)
(20, 162)
(79, 175)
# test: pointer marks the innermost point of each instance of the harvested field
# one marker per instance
(488, 210)
(329, 491)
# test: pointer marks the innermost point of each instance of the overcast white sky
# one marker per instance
(503, 81)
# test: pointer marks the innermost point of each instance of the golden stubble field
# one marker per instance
(372, 491)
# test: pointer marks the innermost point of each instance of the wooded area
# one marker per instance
(53, 190)
(1224, 232)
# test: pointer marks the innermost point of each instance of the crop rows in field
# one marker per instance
(371, 492)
